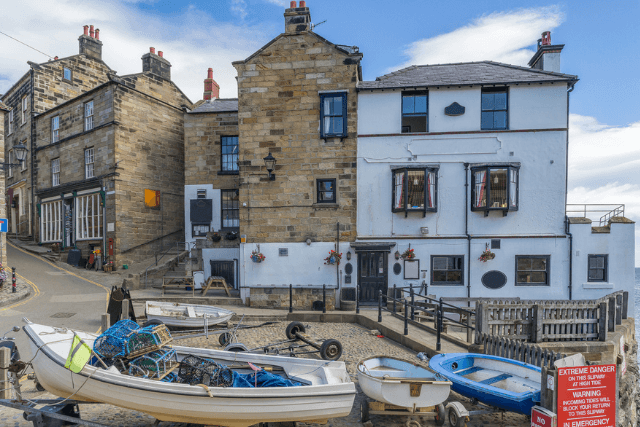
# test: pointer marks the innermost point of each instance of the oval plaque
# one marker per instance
(348, 268)
(494, 279)
(397, 268)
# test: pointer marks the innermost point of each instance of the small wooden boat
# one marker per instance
(186, 315)
(495, 381)
(327, 390)
(401, 383)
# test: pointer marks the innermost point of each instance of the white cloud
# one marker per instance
(192, 41)
(499, 36)
(284, 3)
(239, 7)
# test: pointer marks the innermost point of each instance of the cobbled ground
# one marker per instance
(358, 343)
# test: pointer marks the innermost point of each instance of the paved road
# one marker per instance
(58, 298)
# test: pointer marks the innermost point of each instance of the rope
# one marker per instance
(205, 389)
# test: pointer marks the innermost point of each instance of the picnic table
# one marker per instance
(216, 282)
(178, 282)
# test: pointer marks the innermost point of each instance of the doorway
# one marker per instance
(372, 275)
(224, 269)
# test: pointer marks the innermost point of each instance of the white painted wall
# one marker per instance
(379, 113)
(538, 107)
(190, 193)
(440, 98)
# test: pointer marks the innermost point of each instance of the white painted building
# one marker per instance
(458, 159)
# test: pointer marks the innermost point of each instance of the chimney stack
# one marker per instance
(297, 19)
(90, 44)
(211, 88)
(156, 64)
(547, 57)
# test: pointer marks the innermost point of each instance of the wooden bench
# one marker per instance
(216, 282)
(178, 282)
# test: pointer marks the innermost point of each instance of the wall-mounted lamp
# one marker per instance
(349, 256)
(21, 154)
(270, 163)
(397, 255)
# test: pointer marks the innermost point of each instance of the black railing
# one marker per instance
(324, 295)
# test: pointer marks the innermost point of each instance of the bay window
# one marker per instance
(415, 189)
(494, 188)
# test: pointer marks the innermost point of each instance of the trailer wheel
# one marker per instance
(237, 347)
(440, 415)
(364, 412)
(455, 419)
(224, 339)
(331, 350)
(293, 328)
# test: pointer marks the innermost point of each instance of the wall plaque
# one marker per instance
(454, 109)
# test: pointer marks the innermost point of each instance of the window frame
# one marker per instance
(426, 114)
(55, 129)
(199, 235)
(24, 110)
(547, 271)
(10, 126)
(487, 169)
(82, 221)
(427, 170)
(51, 222)
(55, 175)
(91, 152)
(222, 210)
(434, 283)
(88, 119)
(70, 74)
(335, 190)
(224, 170)
(344, 115)
(605, 269)
(501, 89)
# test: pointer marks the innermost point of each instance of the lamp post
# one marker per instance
(270, 163)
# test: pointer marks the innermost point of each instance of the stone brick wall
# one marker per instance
(279, 112)
(279, 298)
(3, 205)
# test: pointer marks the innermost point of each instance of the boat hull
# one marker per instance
(516, 385)
(175, 314)
(232, 407)
(392, 379)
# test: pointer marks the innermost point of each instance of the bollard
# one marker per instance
(413, 301)
(290, 298)
(357, 299)
(394, 298)
(406, 319)
(324, 299)
(13, 280)
(125, 309)
(5, 361)
(439, 328)
(105, 322)
(379, 306)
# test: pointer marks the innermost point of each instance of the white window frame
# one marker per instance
(88, 217)
(89, 160)
(10, 128)
(10, 161)
(51, 222)
(55, 129)
(88, 115)
(24, 109)
(55, 172)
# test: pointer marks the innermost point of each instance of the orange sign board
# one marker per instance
(151, 198)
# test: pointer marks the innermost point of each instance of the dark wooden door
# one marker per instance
(223, 269)
(372, 275)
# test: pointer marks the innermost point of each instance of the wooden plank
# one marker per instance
(619, 309)
(602, 324)
(611, 315)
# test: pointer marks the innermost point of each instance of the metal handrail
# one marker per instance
(597, 208)
(187, 247)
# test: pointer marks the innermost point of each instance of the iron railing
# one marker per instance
(595, 211)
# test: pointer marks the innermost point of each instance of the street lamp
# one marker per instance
(21, 154)
(270, 163)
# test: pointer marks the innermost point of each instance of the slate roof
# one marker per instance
(466, 73)
(217, 106)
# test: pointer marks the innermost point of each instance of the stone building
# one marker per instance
(4, 109)
(110, 171)
(43, 87)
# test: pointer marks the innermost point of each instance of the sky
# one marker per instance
(602, 47)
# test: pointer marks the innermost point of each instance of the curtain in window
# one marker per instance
(399, 197)
(481, 197)
(513, 188)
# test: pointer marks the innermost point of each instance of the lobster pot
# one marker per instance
(155, 365)
(112, 342)
(145, 340)
(196, 370)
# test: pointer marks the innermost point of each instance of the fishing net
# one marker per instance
(156, 364)
(147, 339)
(197, 370)
(112, 342)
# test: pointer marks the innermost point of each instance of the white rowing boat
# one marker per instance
(186, 315)
(327, 391)
(401, 383)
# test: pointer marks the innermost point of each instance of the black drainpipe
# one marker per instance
(466, 226)
(566, 192)
(567, 227)
(31, 156)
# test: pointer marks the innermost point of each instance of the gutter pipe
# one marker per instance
(566, 192)
(466, 227)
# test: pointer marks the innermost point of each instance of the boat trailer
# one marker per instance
(51, 412)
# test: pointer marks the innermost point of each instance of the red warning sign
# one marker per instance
(587, 396)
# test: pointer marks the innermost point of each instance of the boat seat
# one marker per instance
(496, 379)
(467, 371)
(191, 312)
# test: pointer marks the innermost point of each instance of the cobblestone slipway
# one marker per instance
(357, 343)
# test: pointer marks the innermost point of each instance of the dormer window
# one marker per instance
(415, 189)
(494, 188)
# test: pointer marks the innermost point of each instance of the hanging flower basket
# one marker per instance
(257, 256)
(408, 255)
(333, 258)
(487, 255)
(216, 237)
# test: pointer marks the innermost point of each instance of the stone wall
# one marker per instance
(279, 113)
(279, 298)
(3, 205)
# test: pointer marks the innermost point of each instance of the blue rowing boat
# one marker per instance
(495, 381)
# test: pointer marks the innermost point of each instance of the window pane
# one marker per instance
(480, 189)
(454, 276)
(407, 104)
(439, 276)
(596, 274)
(524, 264)
(523, 277)
(498, 186)
(538, 277)
(415, 189)
(431, 189)
(500, 120)
(487, 120)
(337, 106)
(337, 125)
(440, 263)
(420, 104)
(500, 101)
(596, 262)
(398, 178)
(327, 106)
(539, 264)
(414, 124)
(488, 101)
(513, 188)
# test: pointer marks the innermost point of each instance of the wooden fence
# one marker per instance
(540, 321)
(518, 350)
